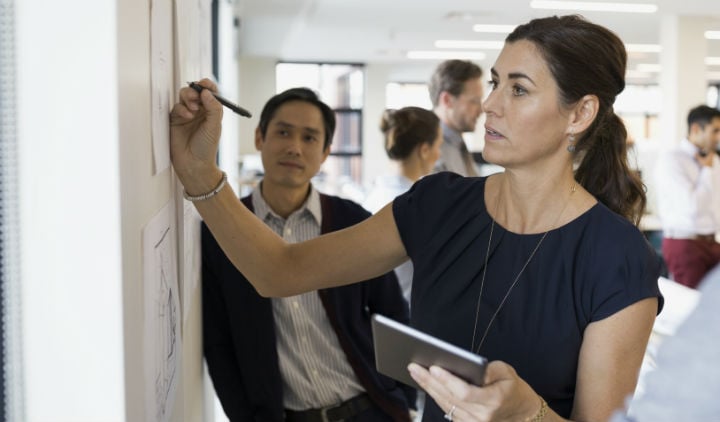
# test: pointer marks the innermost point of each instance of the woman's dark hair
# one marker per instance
(406, 128)
(298, 94)
(588, 59)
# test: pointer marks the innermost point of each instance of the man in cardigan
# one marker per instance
(308, 357)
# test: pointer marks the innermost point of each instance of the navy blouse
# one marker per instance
(582, 272)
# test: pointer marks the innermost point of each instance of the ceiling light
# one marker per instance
(712, 35)
(595, 7)
(648, 67)
(712, 61)
(470, 44)
(444, 55)
(495, 29)
(643, 48)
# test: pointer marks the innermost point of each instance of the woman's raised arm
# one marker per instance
(357, 253)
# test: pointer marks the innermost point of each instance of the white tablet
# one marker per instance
(396, 345)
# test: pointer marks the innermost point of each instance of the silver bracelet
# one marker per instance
(210, 194)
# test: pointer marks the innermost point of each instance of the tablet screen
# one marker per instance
(396, 345)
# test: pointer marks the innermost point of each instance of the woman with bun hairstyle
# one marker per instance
(413, 137)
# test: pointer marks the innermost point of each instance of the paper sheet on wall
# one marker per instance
(162, 315)
(161, 48)
(194, 49)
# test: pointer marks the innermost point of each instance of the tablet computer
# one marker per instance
(396, 345)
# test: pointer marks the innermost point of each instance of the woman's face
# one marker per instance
(525, 123)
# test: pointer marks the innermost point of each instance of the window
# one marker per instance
(342, 87)
(639, 106)
(403, 94)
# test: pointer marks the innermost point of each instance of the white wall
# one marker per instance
(375, 161)
(70, 210)
(87, 189)
(682, 80)
(257, 85)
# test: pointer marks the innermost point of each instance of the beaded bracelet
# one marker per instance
(540, 415)
(210, 194)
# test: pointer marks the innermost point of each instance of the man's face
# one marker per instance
(711, 135)
(292, 149)
(465, 109)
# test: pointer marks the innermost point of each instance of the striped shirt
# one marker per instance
(313, 366)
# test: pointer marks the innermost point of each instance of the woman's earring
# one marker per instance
(571, 140)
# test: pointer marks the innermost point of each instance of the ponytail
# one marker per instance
(604, 169)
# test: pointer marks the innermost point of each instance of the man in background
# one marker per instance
(688, 184)
(307, 357)
(456, 92)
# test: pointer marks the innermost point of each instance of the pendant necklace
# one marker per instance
(517, 277)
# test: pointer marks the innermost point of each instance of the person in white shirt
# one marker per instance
(413, 140)
(456, 92)
(688, 183)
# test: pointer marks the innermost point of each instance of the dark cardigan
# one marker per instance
(239, 332)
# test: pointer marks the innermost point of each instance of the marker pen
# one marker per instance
(232, 106)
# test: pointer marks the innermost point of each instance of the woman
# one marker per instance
(412, 141)
(540, 268)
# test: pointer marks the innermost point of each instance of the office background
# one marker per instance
(79, 183)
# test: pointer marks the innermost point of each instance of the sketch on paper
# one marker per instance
(162, 315)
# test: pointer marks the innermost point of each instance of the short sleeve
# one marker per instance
(621, 268)
(437, 207)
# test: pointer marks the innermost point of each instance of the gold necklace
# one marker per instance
(517, 277)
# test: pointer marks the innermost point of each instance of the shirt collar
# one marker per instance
(689, 147)
(311, 205)
(450, 135)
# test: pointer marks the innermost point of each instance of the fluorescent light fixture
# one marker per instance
(595, 6)
(444, 55)
(494, 29)
(712, 61)
(712, 35)
(648, 67)
(470, 44)
(643, 48)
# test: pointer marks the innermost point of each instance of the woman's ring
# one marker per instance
(449, 414)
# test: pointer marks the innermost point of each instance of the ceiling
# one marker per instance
(383, 31)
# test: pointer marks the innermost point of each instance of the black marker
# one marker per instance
(232, 106)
